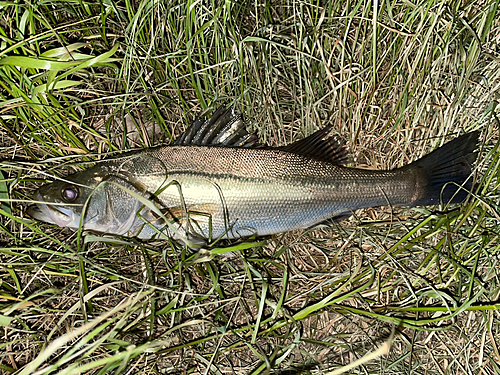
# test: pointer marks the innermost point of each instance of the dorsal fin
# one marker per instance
(227, 128)
(320, 145)
(224, 128)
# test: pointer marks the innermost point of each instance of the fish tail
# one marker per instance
(444, 175)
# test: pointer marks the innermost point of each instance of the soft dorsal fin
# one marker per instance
(321, 145)
(224, 128)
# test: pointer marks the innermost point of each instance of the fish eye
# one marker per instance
(70, 193)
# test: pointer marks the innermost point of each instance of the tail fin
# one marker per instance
(444, 174)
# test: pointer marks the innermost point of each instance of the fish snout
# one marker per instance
(50, 212)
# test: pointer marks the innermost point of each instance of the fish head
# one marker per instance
(81, 199)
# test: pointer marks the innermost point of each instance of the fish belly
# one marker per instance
(238, 207)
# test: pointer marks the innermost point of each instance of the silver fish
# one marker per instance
(216, 181)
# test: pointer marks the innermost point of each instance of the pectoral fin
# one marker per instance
(179, 215)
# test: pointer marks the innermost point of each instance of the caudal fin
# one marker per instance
(444, 175)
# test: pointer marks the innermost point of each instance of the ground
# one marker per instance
(82, 81)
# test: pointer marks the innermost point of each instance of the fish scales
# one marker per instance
(267, 190)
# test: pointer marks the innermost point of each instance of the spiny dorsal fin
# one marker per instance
(224, 128)
(321, 145)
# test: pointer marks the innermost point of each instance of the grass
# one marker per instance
(81, 79)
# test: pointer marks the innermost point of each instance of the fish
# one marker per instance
(216, 181)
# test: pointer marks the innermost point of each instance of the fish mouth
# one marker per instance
(52, 213)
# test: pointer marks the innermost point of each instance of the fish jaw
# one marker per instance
(54, 214)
